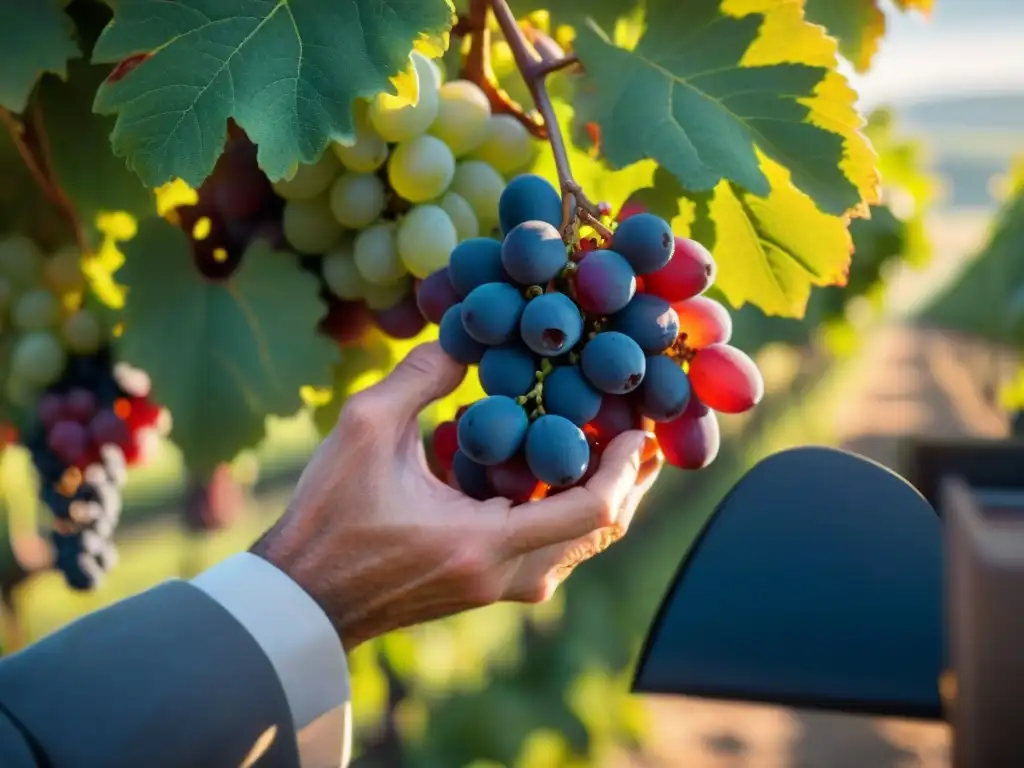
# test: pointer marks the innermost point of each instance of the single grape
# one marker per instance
(435, 295)
(461, 214)
(513, 480)
(454, 340)
(604, 282)
(375, 254)
(310, 226)
(341, 274)
(551, 324)
(50, 409)
(665, 391)
(20, 261)
(617, 415)
(80, 405)
(69, 440)
(402, 321)
(703, 322)
(645, 241)
(107, 428)
(692, 440)
(507, 145)
(444, 442)
(461, 120)
(557, 451)
(237, 188)
(36, 310)
(38, 359)
(567, 393)
(421, 169)
(480, 186)
(613, 363)
(82, 332)
(529, 198)
(357, 199)
(491, 313)
(726, 379)
(629, 208)
(492, 430)
(396, 120)
(426, 239)
(367, 151)
(689, 273)
(510, 371)
(309, 181)
(346, 322)
(63, 272)
(650, 321)
(471, 477)
(474, 262)
(385, 296)
(533, 253)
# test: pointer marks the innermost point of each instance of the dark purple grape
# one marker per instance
(604, 282)
(435, 295)
(69, 441)
(402, 321)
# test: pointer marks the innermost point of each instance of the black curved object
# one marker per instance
(818, 583)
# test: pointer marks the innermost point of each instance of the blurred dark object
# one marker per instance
(982, 463)
(213, 505)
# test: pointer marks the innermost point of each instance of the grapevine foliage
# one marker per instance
(859, 25)
(34, 38)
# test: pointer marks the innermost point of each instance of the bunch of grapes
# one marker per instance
(92, 424)
(575, 345)
(378, 214)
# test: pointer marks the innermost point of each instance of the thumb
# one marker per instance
(425, 375)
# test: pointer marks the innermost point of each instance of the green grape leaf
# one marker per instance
(35, 37)
(575, 12)
(287, 71)
(714, 86)
(222, 356)
(859, 25)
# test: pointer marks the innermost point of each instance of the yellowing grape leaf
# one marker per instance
(286, 70)
(858, 24)
(711, 83)
(35, 37)
(222, 356)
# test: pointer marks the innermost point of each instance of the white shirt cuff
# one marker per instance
(302, 646)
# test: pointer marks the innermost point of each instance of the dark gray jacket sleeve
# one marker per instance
(166, 678)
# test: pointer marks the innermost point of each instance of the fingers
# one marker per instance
(425, 375)
(582, 510)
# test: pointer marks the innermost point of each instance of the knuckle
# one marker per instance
(603, 514)
(360, 416)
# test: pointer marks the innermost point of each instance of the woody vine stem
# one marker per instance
(536, 57)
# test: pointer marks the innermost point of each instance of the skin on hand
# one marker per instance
(380, 543)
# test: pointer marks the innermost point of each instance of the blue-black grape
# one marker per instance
(567, 393)
(613, 362)
(645, 241)
(666, 390)
(491, 312)
(529, 198)
(454, 340)
(557, 451)
(650, 321)
(604, 282)
(474, 262)
(471, 477)
(533, 253)
(509, 371)
(492, 430)
(551, 324)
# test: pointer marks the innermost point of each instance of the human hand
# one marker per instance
(380, 543)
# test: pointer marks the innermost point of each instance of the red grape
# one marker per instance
(690, 272)
(514, 481)
(139, 412)
(726, 379)
(435, 294)
(80, 405)
(107, 428)
(617, 415)
(703, 322)
(69, 440)
(444, 443)
(629, 208)
(692, 440)
(402, 321)
(346, 322)
(50, 409)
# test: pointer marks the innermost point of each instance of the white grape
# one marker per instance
(462, 116)
(421, 169)
(37, 359)
(309, 225)
(367, 151)
(357, 199)
(311, 180)
(481, 186)
(36, 310)
(376, 254)
(83, 332)
(339, 269)
(397, 121)
(461, 214)
(63, 272)
(21, 261)
(508, 146)
(386, 296)
(426, 238)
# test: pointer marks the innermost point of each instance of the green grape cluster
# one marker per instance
(386, 209)
(41, 317)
